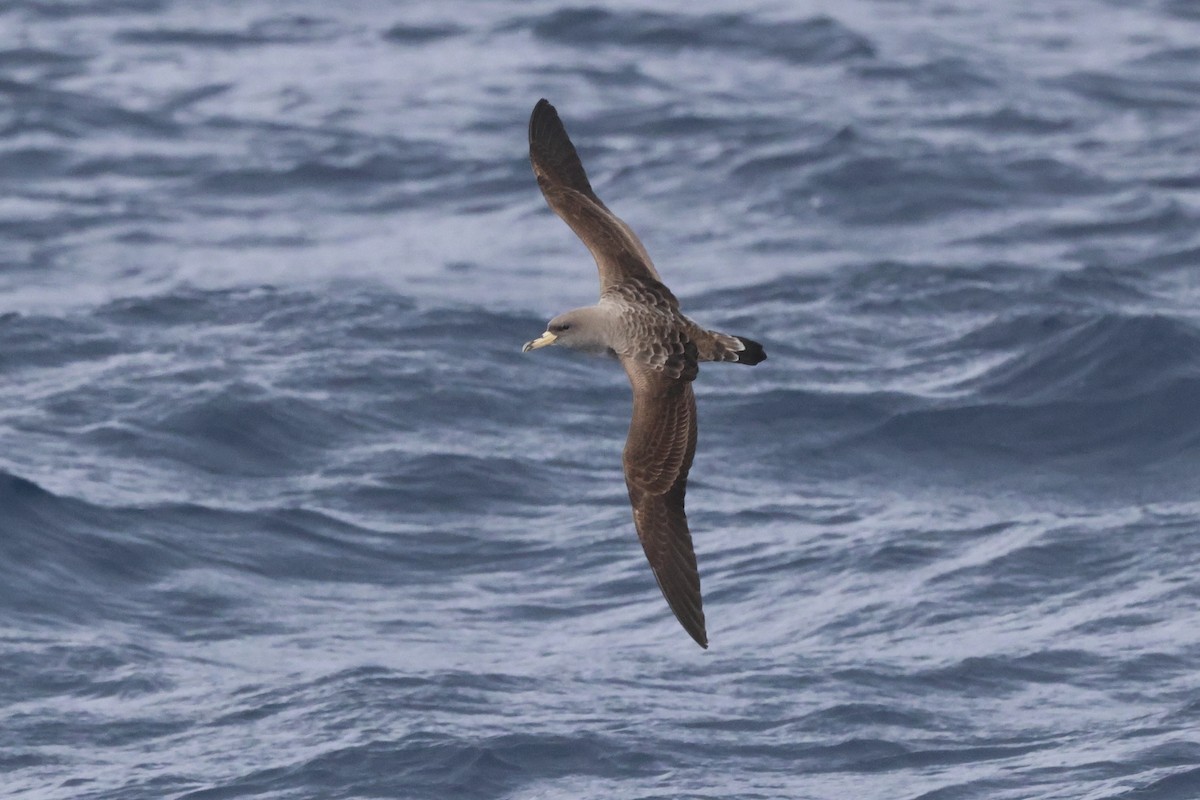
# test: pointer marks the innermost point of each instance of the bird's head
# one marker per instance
(579, 329)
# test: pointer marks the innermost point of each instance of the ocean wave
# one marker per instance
(816, 40)
(1115, 388)
(1101, 358)
(403, 33)
(1134, 91)
(74, 115)
(1007, 120)
(884, 188)
(432, 763)
(1006, 675)
(31, 341)
(76, 9)
(269, 31)
(314, 175)
(952, 74)
(49, 64)
(64, 559)
(68, 561)
(1141, 430)
(242, 430)
(861, 179)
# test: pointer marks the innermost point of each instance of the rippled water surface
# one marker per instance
(285, 513)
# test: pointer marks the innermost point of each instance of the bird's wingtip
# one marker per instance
(542, 116)
(543, 107)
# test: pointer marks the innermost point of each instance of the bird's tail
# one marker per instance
(717, 346)
(751, 353)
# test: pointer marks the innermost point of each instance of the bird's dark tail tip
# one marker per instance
(752, 353)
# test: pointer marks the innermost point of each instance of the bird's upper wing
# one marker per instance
(619, 254)
(658, 455)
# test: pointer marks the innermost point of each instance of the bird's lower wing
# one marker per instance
(658, 455)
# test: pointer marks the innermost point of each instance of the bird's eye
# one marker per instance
(566, 326)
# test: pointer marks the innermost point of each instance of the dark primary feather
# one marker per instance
(552, 154)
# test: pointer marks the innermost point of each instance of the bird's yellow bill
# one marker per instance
(543, 340)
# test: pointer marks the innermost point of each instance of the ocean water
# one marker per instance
(285, 512)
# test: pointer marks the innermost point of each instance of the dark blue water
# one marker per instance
(285, 512)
